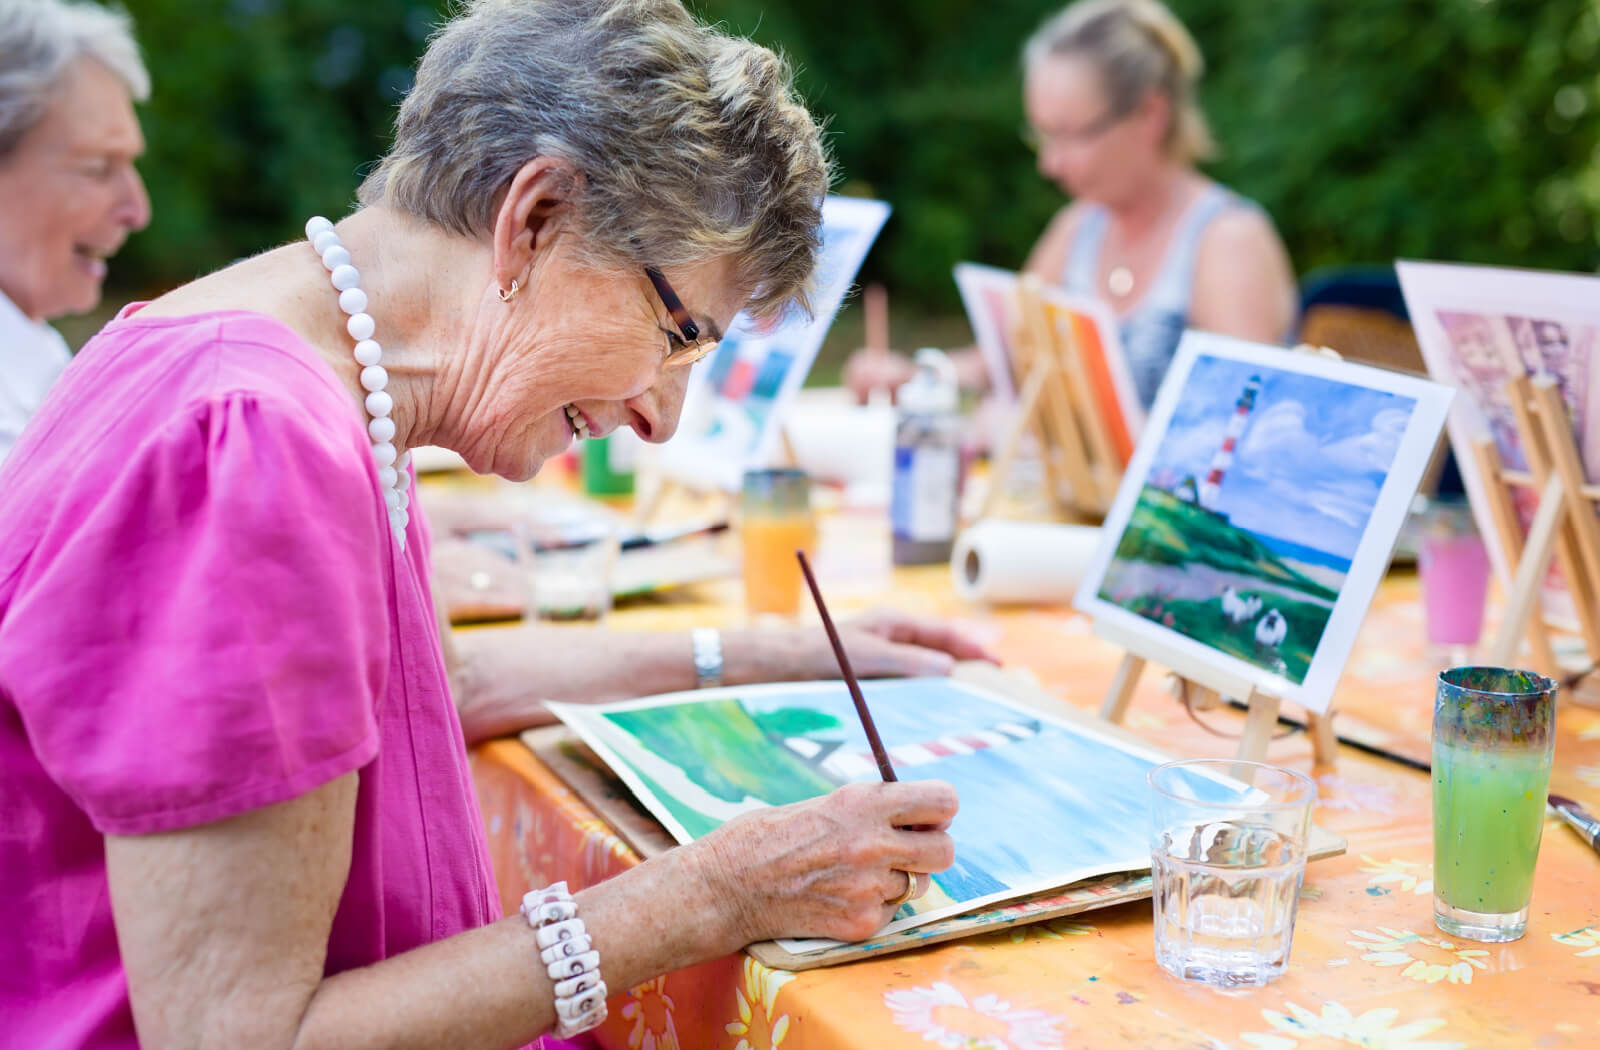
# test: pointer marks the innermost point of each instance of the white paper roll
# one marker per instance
(1021, 561)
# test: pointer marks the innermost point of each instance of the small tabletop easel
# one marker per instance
(1564, 527)
(1205, 686)
(1056, 405)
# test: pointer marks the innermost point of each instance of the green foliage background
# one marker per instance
(1370, 129)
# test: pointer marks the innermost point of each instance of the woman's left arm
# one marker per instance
(501, 676)
(1244, 285)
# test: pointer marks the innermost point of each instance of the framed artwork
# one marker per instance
(698, 759)
(1480, 327)
(989, 295)
(1260, 510)
(737, 397)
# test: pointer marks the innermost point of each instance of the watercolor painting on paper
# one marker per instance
(1044, 802)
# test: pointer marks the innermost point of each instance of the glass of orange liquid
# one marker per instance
(777, 522)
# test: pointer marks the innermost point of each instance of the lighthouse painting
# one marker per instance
(1265, 483)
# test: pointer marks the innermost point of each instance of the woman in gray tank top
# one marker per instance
(1109, 93)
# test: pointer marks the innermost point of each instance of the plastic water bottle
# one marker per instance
(927, 462)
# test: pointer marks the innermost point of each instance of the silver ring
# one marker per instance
(910, 891)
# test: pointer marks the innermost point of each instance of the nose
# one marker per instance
(654, 413)
(133, 203)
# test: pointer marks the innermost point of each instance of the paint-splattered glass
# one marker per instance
(1227, 855)
(1493, 739)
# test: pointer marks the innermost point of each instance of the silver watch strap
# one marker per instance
(707, 645)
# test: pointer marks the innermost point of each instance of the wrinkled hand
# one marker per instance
(829, 866)
(887, 643)
(870, 369)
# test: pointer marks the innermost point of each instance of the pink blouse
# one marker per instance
(203, 611)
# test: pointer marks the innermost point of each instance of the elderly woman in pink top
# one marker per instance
(238, 810)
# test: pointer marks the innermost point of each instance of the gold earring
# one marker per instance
(507, 295)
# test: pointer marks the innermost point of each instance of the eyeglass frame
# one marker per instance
(693, 348)
(1037, 140)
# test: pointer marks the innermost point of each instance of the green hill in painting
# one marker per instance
(1166, 530)
(721, 748)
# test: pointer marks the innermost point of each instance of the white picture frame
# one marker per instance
(738, 395)
(1328, 451)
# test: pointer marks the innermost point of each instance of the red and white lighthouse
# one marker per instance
(1211, 488)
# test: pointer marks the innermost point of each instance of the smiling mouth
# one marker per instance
(576, 420)
(94, 260)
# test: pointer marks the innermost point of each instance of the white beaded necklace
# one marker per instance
(392, 472)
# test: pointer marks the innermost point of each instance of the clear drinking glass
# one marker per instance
(777, 521)
(572, 580)
(1227, 855)
(1493, 741)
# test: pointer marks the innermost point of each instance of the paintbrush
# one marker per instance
(873, 739)
(1575, 815)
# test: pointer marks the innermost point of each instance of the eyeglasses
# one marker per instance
(689, 346)
(1037, 140)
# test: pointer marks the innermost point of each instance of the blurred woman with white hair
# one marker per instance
(69, 193)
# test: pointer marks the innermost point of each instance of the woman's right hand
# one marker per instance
(828, 867)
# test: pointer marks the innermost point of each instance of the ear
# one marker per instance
(1155, 118)
(530, 214)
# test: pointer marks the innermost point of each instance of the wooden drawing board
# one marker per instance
(571, 760)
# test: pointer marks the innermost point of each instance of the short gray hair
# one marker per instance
(1138, 46)
(39, 39)
(689, 142)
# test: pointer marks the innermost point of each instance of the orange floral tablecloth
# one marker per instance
(1368, 968)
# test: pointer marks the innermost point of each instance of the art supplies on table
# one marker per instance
(1023, 765)
(835, 440)
(1258, 514)
(649, 560)
(1002, 562)
(926, 493)
(738, 396)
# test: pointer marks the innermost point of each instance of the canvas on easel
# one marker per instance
(1056, 360)
(1521, 346)
(1256, 520)
(736, 399)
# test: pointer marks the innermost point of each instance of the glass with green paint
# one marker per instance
(1493, 741)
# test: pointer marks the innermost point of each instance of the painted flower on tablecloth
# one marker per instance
(1588, 937)
(760, 988)
(650, 1008)
(1347, 795)
(1589, 775)
(1406, 874)
(1373, 1030)
(1054, 930)
(944, 1016)
(1413, 951)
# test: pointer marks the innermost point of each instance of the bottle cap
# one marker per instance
(933, 388)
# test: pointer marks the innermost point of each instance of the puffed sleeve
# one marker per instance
(209, 632)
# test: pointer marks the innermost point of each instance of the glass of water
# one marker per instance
(1227, 854)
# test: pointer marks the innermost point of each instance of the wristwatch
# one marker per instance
(707, 645)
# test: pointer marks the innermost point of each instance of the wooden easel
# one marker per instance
(1206, 685)
(1564, 527)
(1057, 406)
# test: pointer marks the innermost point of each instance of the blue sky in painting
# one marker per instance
(1312, 460)
(1037, 808)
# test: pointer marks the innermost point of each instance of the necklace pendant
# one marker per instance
(1119, 281)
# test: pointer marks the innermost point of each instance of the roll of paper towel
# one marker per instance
(1022, 561)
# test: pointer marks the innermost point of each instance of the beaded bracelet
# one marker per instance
(569, 958)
